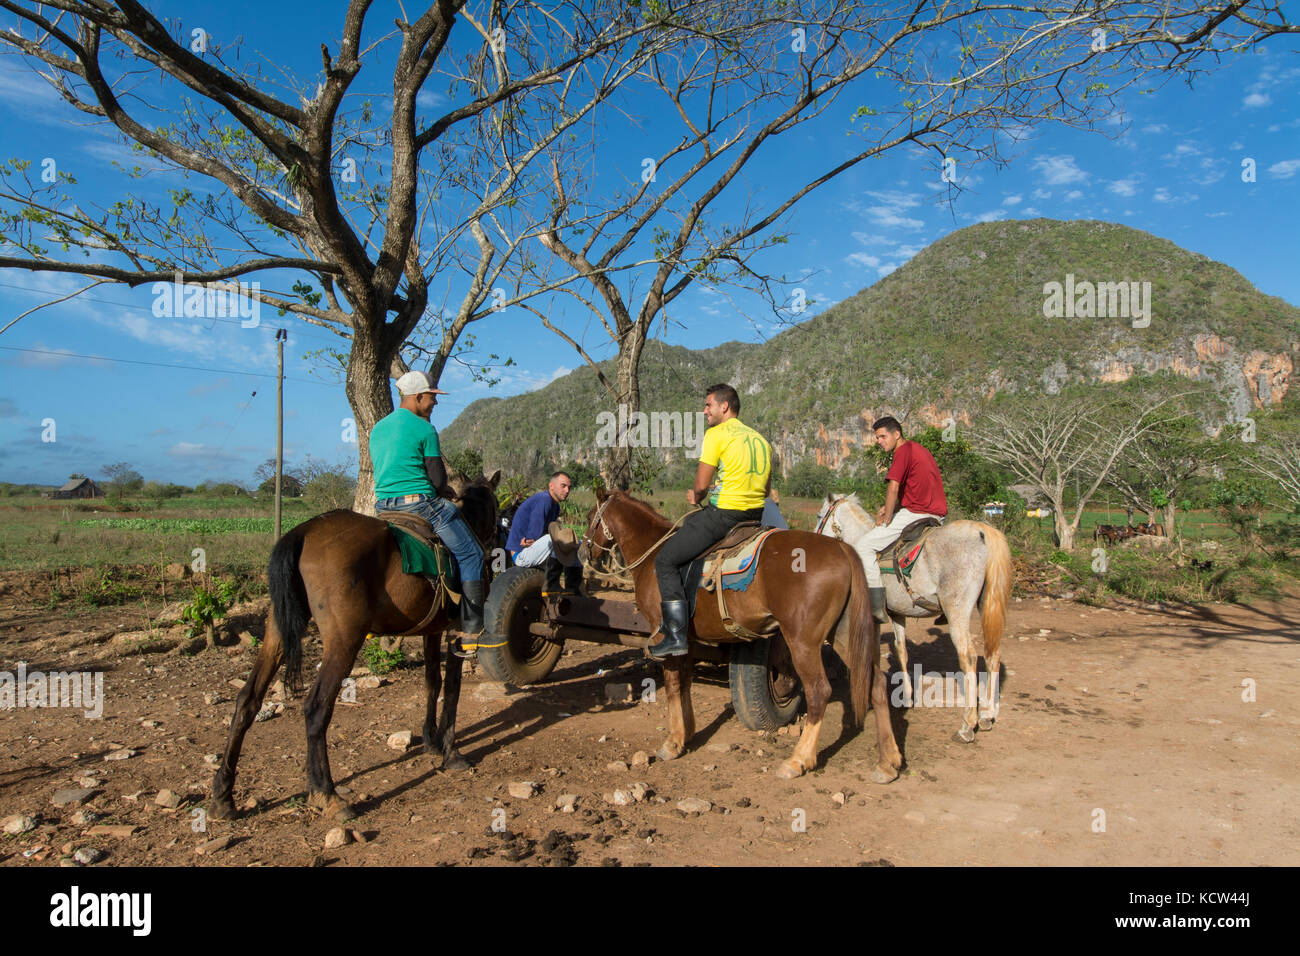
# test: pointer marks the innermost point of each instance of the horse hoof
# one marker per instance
(667, 753)
(964, 736)
(790, 769)
(986, 723)
(879, 775)
(331, 805)
(457, 763)
(221, 808)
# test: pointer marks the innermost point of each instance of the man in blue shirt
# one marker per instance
(531, 542)
(410, 476)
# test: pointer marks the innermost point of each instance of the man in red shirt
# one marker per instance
(915, 491)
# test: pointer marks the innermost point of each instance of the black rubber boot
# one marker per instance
(674, 628)
(552, 587)
(472, 597)
(878, 605)
(573, 580)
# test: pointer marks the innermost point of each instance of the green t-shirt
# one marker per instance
(399, 443)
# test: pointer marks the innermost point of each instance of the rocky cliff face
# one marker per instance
(961, 323)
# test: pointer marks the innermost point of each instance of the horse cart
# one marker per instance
(765, 691)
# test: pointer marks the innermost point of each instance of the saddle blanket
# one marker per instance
(738, 567)
(419, 558)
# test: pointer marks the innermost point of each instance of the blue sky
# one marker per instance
(1172, 168)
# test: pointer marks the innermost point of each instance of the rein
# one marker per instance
(624, 570)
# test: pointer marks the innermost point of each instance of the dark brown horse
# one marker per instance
(812, 585)
(345, 570)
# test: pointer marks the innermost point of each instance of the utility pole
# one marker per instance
(280, 337)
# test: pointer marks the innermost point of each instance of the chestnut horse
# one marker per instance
(815, 589)
(345, 570)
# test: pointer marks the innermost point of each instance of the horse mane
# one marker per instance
(647, 509)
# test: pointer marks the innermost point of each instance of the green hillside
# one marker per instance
(963, 320)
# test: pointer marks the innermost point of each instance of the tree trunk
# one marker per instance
(1169, 519)
(1064, 528)
(629, 389)
(371, 399)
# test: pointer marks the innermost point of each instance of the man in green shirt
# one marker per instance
(410, 476)
(735, 475)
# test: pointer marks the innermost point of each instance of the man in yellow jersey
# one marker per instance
(735, 473)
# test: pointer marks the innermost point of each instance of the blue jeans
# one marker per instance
(448, 525)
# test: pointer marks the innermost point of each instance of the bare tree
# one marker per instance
(1279, 460)
(1156, 468)
(1016, 65)
(1050, 441)
(296, 189)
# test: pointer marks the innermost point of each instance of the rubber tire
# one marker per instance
(514, 601)
(752, 694)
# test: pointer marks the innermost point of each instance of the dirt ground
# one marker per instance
(1128, 735)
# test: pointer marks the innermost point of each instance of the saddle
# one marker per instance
(729, 565)
(424, 554)
(902, 556)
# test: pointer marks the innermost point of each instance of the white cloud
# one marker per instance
(1059, 169)
(1155, 128)
(1031, 211)
(1124, 187)
(993, 215)
(427, 99)
(871, 239)
(1073, 194)
(862, 259)
(891, 205)
(1285, 169)
(1256, 99)
(1042, 194)
(1011, 200)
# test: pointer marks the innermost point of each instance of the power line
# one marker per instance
(191, 368)
(144, 308)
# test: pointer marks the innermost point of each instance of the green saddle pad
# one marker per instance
(417, 558)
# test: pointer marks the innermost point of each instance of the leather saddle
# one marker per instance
(413, 525)
(734, 538)
(902, 556)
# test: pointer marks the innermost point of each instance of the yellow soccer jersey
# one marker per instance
(744, 462)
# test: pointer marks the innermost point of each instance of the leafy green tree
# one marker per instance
(121, 479)
(467, 461)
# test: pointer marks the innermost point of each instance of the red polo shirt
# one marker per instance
(920, 487)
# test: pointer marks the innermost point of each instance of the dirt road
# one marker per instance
(1127, 736)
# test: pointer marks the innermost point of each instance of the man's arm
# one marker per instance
(703, 480)
(886, 513)
(437, 472)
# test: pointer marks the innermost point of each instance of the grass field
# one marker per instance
(234, 537)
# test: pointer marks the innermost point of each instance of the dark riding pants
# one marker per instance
(698, 532)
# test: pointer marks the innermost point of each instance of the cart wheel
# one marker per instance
(514, 602)
(765, 691)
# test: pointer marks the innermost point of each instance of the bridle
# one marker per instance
(827, 517)
(620, 569)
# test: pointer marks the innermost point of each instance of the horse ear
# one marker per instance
(601, 495)
(495, 480)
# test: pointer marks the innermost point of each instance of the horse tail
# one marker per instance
(997, 587)
(289, 602)
(860, 639)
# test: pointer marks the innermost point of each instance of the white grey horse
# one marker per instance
(964, 563)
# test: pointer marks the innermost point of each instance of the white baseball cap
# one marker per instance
(417, 383)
